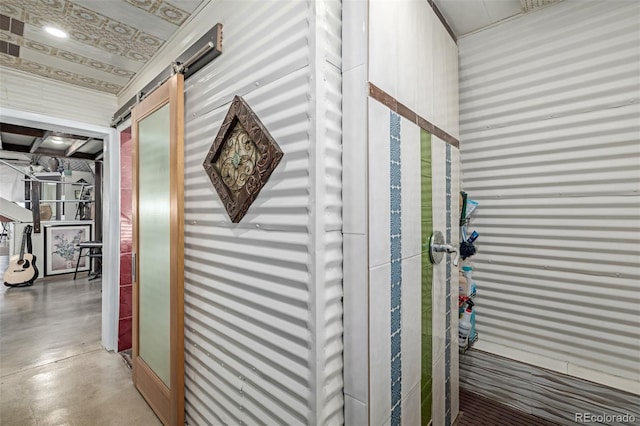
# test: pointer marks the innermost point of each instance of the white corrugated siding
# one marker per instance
(263, 311)
(30, 93)
(550, 144)
(327, 216)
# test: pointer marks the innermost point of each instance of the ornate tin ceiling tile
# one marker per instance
(241, 159)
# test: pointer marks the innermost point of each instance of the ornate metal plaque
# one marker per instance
(241, 159)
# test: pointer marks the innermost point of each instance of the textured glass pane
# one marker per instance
(153, 251)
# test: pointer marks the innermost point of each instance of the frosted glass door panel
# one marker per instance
(154, 241)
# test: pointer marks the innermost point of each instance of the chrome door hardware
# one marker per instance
(134, 267)
(437, 249)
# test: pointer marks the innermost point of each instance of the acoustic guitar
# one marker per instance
(22, 269)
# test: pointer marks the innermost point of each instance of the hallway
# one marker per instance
(53, 369)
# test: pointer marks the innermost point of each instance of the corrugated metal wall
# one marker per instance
(29, 93)
(263, 310)
(550, 145)
(327, 216)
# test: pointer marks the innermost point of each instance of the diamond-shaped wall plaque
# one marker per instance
(241, 159)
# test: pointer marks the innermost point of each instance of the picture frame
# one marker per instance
(61, 251)
(241, 159)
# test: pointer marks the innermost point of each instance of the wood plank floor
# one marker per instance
(480, 411)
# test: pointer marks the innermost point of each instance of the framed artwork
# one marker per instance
(61, 251)
(241, 159)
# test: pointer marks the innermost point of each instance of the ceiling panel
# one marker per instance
(57, 143)
(189, 5)
(76, 51)
(466, 16)
(109, 41)
(529, 5)
(92, 147)
(14, 139)
(499, 10)
(135, 17)
(68, 67)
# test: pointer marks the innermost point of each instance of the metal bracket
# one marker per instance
(200, 53)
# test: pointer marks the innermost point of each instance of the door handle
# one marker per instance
(133, 267)
(438, 247)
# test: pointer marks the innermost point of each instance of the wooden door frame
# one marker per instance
(166, 402)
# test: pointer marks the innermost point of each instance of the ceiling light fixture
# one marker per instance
(56, 32)
(57, 140)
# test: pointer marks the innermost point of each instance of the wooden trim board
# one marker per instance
(392, 103)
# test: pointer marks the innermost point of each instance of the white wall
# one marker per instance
(402, 48)
(413, 58)
(12, 187)
(263, 298)
(34, 94)
(550, 144)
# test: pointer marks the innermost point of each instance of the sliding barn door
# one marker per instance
(158, 342)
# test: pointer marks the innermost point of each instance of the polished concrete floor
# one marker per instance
(53, 370)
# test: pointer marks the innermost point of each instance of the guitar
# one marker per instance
(22, 269)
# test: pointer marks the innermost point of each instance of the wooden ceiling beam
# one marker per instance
(15, 148)
(76, 146)
(47, 152)
(60, 154)
(83, 156)
(37, 133)
(36, 143)
(21, 130)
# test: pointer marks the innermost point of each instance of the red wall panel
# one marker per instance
(125, 319)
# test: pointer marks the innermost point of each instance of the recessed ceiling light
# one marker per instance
(56, 32)
(57, 140)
